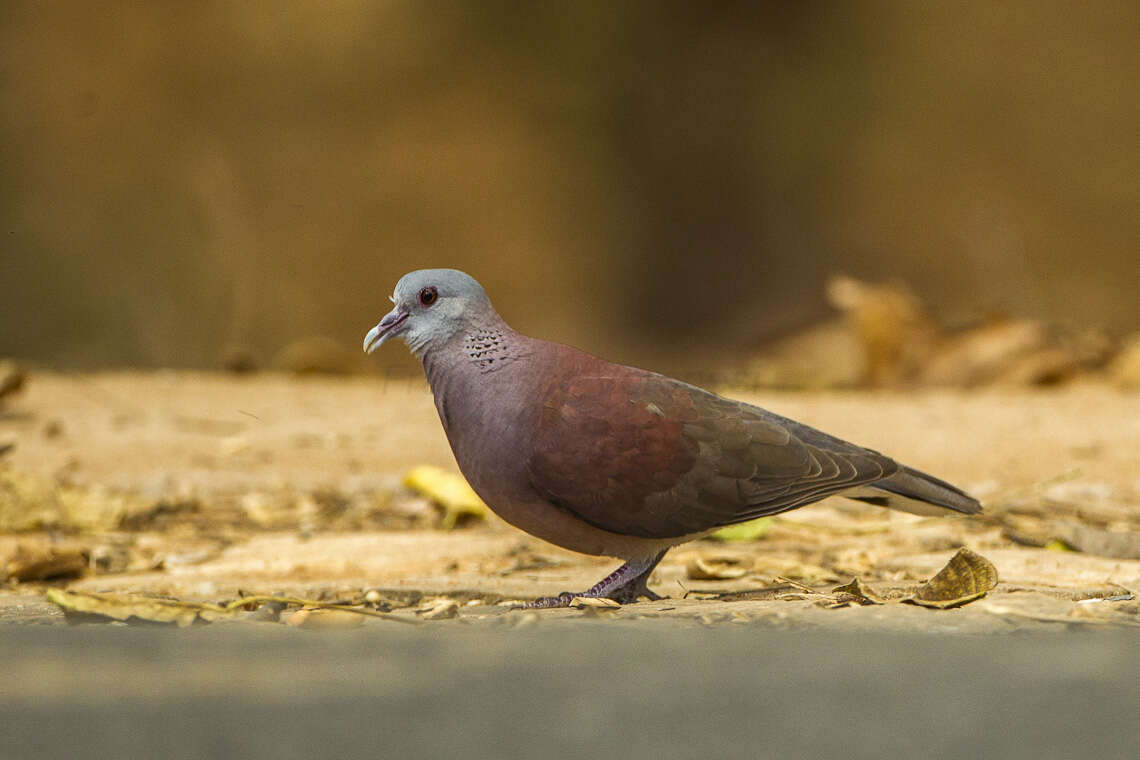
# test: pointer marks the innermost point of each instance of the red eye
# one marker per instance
(428, 296)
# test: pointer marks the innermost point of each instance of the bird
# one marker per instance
(610, 460)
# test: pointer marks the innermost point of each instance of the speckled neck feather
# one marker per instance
(489, 349)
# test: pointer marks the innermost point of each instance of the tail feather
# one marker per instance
(913, 491)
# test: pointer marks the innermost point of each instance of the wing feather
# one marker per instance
(637, 453)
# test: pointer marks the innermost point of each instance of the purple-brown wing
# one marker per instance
(640, 454)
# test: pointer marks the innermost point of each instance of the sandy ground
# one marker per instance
(275, 484)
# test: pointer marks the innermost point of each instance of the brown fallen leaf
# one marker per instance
(855, 592)
(966, 577)
(46, 565)
(718, 567)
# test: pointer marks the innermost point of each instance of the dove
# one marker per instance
(609, 460)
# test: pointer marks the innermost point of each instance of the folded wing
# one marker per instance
(640, 454)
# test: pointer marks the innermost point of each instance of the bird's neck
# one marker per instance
(481, 348)
(479, 360)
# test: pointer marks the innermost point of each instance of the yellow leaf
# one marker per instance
(449, 491)
(1059, 545)
(745, 531)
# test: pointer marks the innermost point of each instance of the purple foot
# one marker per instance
(625, 586)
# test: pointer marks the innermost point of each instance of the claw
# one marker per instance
(625, 586)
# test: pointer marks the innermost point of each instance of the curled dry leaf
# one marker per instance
(966, 577)
(439, 609)
(449, 491)
(855, 592)
(718, 567)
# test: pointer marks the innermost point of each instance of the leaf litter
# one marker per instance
(82, 607)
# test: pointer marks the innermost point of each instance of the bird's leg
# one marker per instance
(624, 585)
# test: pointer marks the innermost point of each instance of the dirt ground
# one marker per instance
(207, 486)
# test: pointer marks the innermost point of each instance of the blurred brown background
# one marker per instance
(656, 182)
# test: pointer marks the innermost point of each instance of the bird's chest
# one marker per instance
(488, 429)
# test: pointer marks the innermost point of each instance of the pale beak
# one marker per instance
(391, 324)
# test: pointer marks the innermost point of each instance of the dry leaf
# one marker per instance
(743, 595)
(439, 609)
(1123, 611)
(966, 577)
(717, 567)
(29, 501)
(594, 602)
(449, 491)
(90, 607)
(26, 501)
(1103, 543)
(320, 619)
(893, 326)
(978, 355)
(745, 531)
(1125, 369)
(94, 508)
(857, 593)
(12, 378)
(46, 565)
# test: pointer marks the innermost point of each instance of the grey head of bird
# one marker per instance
(432, 306)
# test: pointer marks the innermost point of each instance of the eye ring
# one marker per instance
(428, 296)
